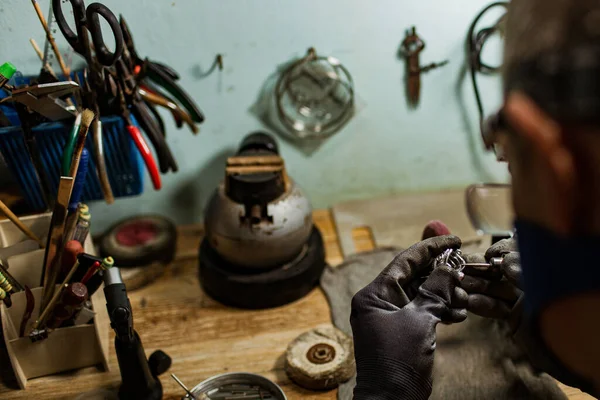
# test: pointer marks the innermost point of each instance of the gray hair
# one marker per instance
(534, 27)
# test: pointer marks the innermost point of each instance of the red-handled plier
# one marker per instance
(141, 145)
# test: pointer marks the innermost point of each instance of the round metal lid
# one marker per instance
(237, 385)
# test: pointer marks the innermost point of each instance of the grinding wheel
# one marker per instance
(142, 246)
(244, 288)
(320, 359)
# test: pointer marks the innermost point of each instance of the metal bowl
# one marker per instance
(261, 246)
(238, 381)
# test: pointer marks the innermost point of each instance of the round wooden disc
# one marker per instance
(320, 359)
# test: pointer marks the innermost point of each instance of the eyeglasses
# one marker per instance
(491, 129)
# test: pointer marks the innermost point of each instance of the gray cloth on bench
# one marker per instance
(475, 359)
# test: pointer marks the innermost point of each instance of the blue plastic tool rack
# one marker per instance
(123, 162)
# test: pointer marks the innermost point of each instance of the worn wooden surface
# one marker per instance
(203, 337)
(398, 220)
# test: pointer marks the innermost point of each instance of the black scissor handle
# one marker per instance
(79, 14)
(105, 56)
(88, 18)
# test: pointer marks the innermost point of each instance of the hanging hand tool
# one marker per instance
(411, 47)
(45, 99)
(15, 220)
(87, 23)
(141, 144)
(130, 95)
(90, 100)
(160, 74)
(159, 120)
(178, 114)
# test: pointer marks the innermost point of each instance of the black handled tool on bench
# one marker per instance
(139, 375)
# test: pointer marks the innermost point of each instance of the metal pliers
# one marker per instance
(139, 142)
(161, 74)
(129, 90)
(45, 99)
(90, 98)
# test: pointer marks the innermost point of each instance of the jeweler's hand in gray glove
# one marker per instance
(394, 319)
(495, 293)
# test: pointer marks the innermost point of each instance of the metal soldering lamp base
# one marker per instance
(251, 289)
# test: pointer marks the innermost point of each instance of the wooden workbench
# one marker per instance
(203, 337)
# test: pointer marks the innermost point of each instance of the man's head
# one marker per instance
(553, 146)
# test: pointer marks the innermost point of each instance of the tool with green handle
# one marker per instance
(7, 70)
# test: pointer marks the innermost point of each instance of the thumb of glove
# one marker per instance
(435, 294)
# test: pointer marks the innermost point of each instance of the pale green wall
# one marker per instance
(386, 148)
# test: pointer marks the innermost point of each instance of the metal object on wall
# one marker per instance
(236, 385)
(411, 47)
(314, 96)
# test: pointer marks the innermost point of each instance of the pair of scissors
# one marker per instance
(87, 21)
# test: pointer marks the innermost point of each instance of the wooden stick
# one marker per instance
(41, 56)
(15, 220)
(50, 38)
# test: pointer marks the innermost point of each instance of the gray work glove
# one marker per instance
(498, 294)
(394, 319)
(495, 293)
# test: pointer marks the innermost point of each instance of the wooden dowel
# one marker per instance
(41, 56)
(15, 220)
(50, 38)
